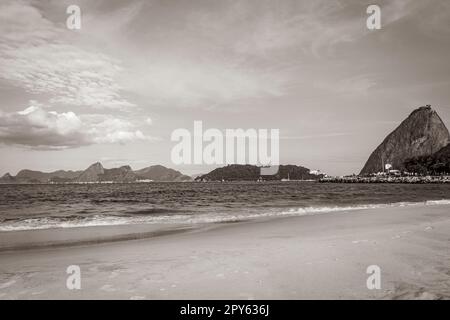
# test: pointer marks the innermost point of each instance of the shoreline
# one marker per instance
(321, 256)
(73, 235)
(26, 240)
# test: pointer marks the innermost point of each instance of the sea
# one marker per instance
(48, 206)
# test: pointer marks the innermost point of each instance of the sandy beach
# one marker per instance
(310, 257)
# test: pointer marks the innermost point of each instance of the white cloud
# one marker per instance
(37, 128)
(37, 55)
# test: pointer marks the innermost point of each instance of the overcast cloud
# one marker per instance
(141, 69)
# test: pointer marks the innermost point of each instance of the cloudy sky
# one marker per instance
(137, 70)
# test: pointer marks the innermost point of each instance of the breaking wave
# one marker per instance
(179, 217)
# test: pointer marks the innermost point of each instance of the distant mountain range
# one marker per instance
(422, 134)
(237, 172)
(420, 144)
(97, 173)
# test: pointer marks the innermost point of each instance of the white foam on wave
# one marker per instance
(94, 221)
(437, 202)
(101, 220)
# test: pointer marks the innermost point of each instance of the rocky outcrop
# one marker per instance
(237, 172)
(161, 173)
(97, 173)
(122, 174)
(422, 133)
(7, 178)
(92, 174)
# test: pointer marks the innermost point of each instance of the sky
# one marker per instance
(114, 90)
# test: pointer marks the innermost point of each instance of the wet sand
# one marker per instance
(311, 257)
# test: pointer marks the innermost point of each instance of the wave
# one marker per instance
(40, 223)
(437, 202)
(153, 211)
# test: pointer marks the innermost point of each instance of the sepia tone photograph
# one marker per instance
(224, 150)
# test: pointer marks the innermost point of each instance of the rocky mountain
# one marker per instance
(122, 174)
(423, 133)
(7, 178)
(237, 172)
(96, 173)
(92, 174)
(161, 173)
(30, 176)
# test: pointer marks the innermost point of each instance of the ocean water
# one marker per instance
(28, 207)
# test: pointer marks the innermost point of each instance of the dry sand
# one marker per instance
(321, 256)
